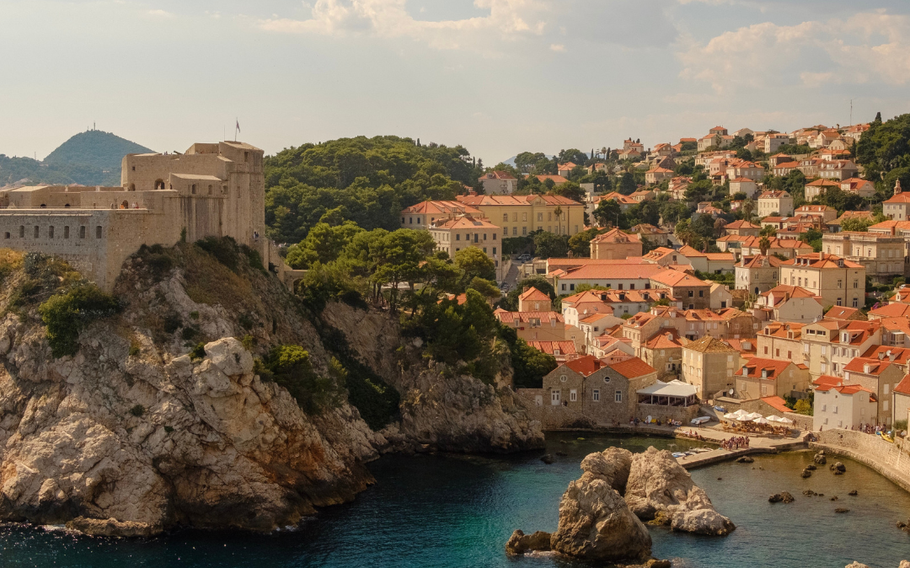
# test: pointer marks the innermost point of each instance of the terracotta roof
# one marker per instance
(840, 312)
(633, 368)
(892, 311)
(497, 174)
(821, 261)
(904, 386)
(616, 236)
(709, 344)
(526, 317)
(466, 222)
(761, 261)
(513, 200)
(550, 347)
(611, 272)
(742, 224)
(773, 195)
(673, 278)
(533, 294)
(777, 403)
(876, 366)
(900, 198)
(666, 340)
(585, 366)
(440, 208)
(756, 367)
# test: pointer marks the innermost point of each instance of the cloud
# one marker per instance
(557, 47)
(508, 20)
(866, 48)
(160, 14)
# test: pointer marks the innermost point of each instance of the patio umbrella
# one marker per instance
(754, 416)
(740, 415)
(761, 420)
(730, 416)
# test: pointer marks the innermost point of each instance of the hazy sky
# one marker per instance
(498, 76)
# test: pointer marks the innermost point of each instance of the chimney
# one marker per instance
(897, 187)
(867, 368)
(891, 356)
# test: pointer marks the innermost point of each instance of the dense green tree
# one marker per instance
(323, 244)
(551, 245)
(608, 213)
(474, 263)
(627, 184)
(580, 243)
(572, 155)
(371, 179)
(885, 147)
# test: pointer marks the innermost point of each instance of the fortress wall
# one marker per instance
(143, 170)
(202, 216)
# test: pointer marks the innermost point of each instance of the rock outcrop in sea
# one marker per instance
(601, 513)
(132, 435)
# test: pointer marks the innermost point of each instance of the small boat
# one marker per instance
(887, 438)
(679, 455)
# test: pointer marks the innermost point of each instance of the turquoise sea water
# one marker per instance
(458, 511)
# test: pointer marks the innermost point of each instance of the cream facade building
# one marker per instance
(708, 364)
(453, 235)
(840, 405)
(211, 190)
(775, 203)
(839, 282)
(881, 255)
(520, 215)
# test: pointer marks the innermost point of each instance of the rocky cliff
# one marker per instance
(160, 419)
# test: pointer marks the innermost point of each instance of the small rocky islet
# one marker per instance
(602, 514)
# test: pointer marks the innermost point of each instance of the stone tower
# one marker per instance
(897, 187)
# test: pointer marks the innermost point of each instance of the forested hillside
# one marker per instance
(884, 152)
(88, 158)
(365, 180)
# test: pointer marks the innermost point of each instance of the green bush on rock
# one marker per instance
(67, 313)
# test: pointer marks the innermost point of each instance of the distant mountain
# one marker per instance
(97, 149)
(511, 161)
(89, 158)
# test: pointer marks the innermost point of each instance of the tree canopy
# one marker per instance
(365, 180)
(884, 152)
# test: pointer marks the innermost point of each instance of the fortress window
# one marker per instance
(50, 232)
(66, 232)
(98, 232)
(6, 235)
(21, 231)
(82, 232)
(210, 189)
(159, 184)
(193, 189)
(37, 231)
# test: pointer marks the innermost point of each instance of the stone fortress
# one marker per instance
(213, 190)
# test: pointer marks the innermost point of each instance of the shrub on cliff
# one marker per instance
(290, 367)
(66, 313)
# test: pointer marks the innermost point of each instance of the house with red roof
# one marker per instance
(664, 353)
(838, 281)
(774, 203)
(694, 293)
(498, 182)
(838, 404)
(540, 326)
(760, 378)
(533, 300)
(788, 304)
(830, 345)
(587, 390)
(656, 175)
(880, 374)
(615, 244)
(428, 213)
(560, 350)
(897, 208)
(757, 273)
(742, 228)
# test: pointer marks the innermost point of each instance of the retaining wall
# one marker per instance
(890, 460)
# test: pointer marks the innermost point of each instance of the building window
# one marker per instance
(505, 217)
(515, 231)
(554, 397)
(595, 395)
(524, 231)
(21, 231)
(607, 380)
(98, 232)
(82, 232)
(540, 217)
(840, 302)
(50, 232)
(691, 294)
(458, 236)
(573, 395)
(840, 283)
(618, 397)
(37, 231)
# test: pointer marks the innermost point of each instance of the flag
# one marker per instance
(238, 125)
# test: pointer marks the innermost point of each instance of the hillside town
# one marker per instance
(753, 271)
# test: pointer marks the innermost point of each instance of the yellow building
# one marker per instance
(464, 231)
(520, 215)
(839, 282)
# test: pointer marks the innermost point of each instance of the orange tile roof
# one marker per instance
(671, 278)
(550, 347)
(633, 368)
(616, 236)
(876, 366)
(533, 294)
(756, 366)
(904, 386)
(585, 366)
(884, 353)
(441, 207)
(840, 312)
(467, 222)
(612, 272)
(777, 403)
(892, 311)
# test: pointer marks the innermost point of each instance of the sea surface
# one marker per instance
(458, 511)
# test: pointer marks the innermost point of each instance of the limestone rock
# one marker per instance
(853, 493)
(745, 459)
(548, 459)
(782, 497)
(838, 468)
(904, 564)
(841, 510)
(613, 464)
(595, 523)
(806, 473)
(820, 458)
(658, 483)
(111, 527)
(520, 543)
(856, 565)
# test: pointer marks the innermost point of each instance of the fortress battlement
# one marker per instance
(211, 190)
